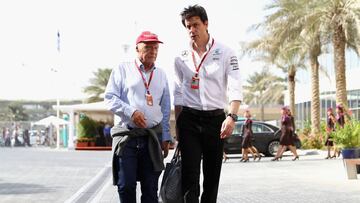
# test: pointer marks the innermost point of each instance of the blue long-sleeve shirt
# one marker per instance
(125, 93)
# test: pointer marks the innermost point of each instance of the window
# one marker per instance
(238, 129)
(259, 128)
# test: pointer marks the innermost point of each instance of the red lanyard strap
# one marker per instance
(197, 68)
(146, 84)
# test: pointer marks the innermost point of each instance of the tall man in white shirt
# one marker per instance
(207, 80)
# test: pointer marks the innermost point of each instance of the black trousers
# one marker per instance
(199, 138)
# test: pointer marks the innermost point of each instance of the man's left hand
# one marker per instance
(165, 147)
(227, 127)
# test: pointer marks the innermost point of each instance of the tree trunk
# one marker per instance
(315, 96)
(262, 112)
(291, 84)
(339, 62)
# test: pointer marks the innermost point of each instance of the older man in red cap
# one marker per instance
(138, 93)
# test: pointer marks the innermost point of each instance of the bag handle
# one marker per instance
(176, 153)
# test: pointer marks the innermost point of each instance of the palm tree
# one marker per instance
(98, 85)
(263, 88)
(285, 59)
(17, 112)
(290, 61)
(321, 22)
(295, 33)
(289, 57)
(340, 20)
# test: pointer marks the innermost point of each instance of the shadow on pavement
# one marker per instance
(21, 188)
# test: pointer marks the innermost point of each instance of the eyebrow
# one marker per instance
(151, 46)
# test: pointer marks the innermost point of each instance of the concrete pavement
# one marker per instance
(48, 175)
(311, 179)
(41, 174)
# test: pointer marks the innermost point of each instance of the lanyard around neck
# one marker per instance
(197, 68)
(146, 84)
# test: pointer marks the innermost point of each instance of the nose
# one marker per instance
(153, 51)
(191, 29)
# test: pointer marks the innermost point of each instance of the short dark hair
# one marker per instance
(192, 11)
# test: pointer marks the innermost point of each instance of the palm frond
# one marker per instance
(97, 84)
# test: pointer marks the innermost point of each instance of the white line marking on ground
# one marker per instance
(100, 194)
(85, 187)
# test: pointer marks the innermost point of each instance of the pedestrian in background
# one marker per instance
(255, 153)
(138, 93)
(286, 139)
(107, 134)
(247, 146)
(26, 137)
(340, 116)
(3, 136)
(292, 122)
(206, 73)
(7, 138)
(340, 120)
(330, 127)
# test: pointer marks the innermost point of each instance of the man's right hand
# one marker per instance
(139, 119)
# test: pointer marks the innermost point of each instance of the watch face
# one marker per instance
(234, 116)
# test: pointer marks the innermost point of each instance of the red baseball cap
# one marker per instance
(147, 36)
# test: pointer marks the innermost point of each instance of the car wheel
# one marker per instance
(273, 147)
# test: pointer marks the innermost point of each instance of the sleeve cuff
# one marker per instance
(235, 98)
(178, 101)
(166, 136)
(129, 112)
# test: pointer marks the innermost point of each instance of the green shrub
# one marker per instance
(349, 135)
(86, 128)
(309, 141)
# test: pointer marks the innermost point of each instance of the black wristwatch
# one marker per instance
(233, 116)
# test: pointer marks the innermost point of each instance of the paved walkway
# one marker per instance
(45, 175)
(34, 175)
(312, 179)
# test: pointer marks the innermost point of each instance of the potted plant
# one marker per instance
(87, 132)
(348, 139)
(85, 142)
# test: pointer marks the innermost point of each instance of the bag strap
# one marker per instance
(176, 153)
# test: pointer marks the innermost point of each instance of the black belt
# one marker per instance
(210, 113)
(157, 128)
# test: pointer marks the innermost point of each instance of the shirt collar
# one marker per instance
(208, 45)
(141, 66)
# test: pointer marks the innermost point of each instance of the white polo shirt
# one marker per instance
(220, 78)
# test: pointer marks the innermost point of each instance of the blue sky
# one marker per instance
(93, 33)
